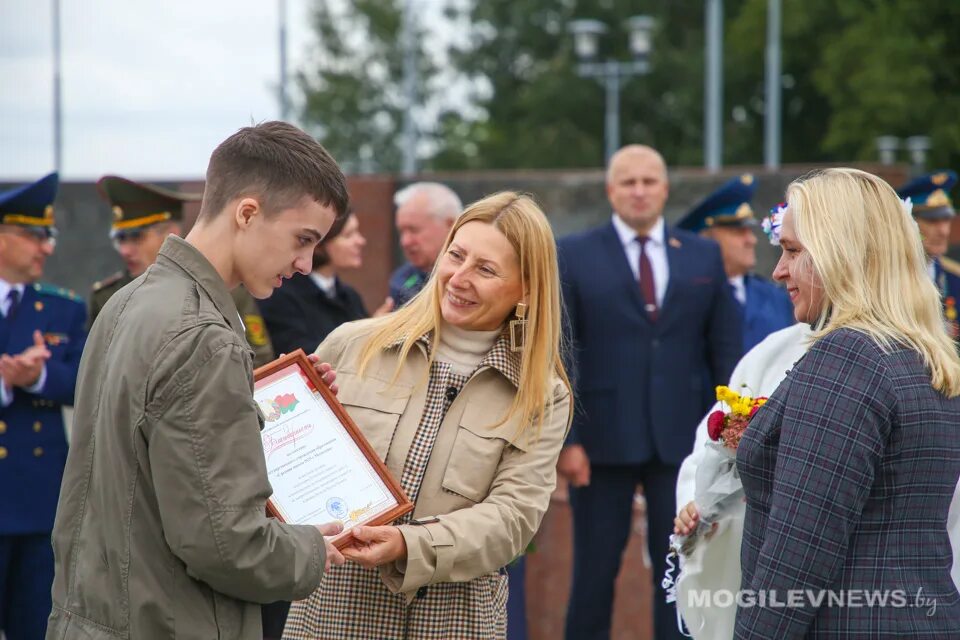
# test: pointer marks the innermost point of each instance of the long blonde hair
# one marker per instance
(524, 225)
(868, 253)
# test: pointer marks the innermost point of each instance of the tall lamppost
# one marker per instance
(408, 36)
(612, 74)
(917, 147)
(282, 96)
(57, 92)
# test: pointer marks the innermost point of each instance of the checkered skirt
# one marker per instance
(352, 602)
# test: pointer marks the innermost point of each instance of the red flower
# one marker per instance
(715, 423)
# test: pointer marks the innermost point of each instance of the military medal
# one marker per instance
(950, 313)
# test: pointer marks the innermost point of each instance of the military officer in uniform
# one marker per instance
(42, 335)
(934, 212)
(143, 216)
(726, 217)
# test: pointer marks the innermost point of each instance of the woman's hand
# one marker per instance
(373, 546)
(326, 373)
(687, 520)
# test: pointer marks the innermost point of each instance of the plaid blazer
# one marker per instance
(848, 471)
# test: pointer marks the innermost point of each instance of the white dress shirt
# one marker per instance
(739, 289)
(6, 392)
(5, 291)
(656, 249)
(327, 284)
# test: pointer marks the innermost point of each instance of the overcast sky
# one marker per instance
(149, 87)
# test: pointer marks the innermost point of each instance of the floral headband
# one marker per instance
(772, 223)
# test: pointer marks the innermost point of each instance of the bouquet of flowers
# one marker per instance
(718, 490)
(718, 486)
(727, 427)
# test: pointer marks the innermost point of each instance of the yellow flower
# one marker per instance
(728, 395)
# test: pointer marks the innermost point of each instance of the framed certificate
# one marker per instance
(321, 467)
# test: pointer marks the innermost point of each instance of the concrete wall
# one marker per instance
(573, 200)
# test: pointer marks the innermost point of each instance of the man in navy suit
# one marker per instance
(726, 217)
(42, 336)
(649, 311)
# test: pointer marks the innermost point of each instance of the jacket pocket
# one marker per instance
(376, 414)
(475, 456)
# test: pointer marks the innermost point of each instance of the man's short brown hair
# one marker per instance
(278, 164)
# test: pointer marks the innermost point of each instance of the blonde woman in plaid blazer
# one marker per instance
(463, 394)
(850, 467)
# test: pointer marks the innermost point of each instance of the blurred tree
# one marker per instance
(537, 112)
(352, 87)
(510, 97)
(851, 72)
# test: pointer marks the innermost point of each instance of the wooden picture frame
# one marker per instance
(319, 445)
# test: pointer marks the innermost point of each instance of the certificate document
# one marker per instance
(319, 464)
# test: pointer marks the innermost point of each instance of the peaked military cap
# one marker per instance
(930, 195)
(728, 206)
(137, 205)
(31, 205)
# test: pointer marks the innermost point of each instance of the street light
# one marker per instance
(612, 73)
(887, 147)
(918, 146)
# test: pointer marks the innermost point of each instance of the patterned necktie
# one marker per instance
(647, 287)
(13, 299)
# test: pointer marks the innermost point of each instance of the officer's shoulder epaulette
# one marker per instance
(59, 292)
(950, 266)
(106, 282)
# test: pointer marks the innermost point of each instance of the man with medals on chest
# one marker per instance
(934, 213)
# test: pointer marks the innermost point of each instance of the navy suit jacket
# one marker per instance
(848, 471)
(768, 309)
(640, 384)
(33, 446)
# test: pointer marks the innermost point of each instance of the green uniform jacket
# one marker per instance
(160, 530)
(254, 326)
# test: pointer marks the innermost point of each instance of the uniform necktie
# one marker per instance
(13, 300)
(647, 287)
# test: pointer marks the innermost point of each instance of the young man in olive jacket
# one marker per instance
(160, 530)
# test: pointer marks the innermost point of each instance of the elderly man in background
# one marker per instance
(425, 213)
(933, 210)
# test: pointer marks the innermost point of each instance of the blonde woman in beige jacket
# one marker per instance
(463, 394)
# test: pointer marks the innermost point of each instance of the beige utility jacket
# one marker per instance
(484, 490)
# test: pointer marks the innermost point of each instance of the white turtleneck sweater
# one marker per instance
(464, 349)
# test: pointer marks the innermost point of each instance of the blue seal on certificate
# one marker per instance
(337, 508)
